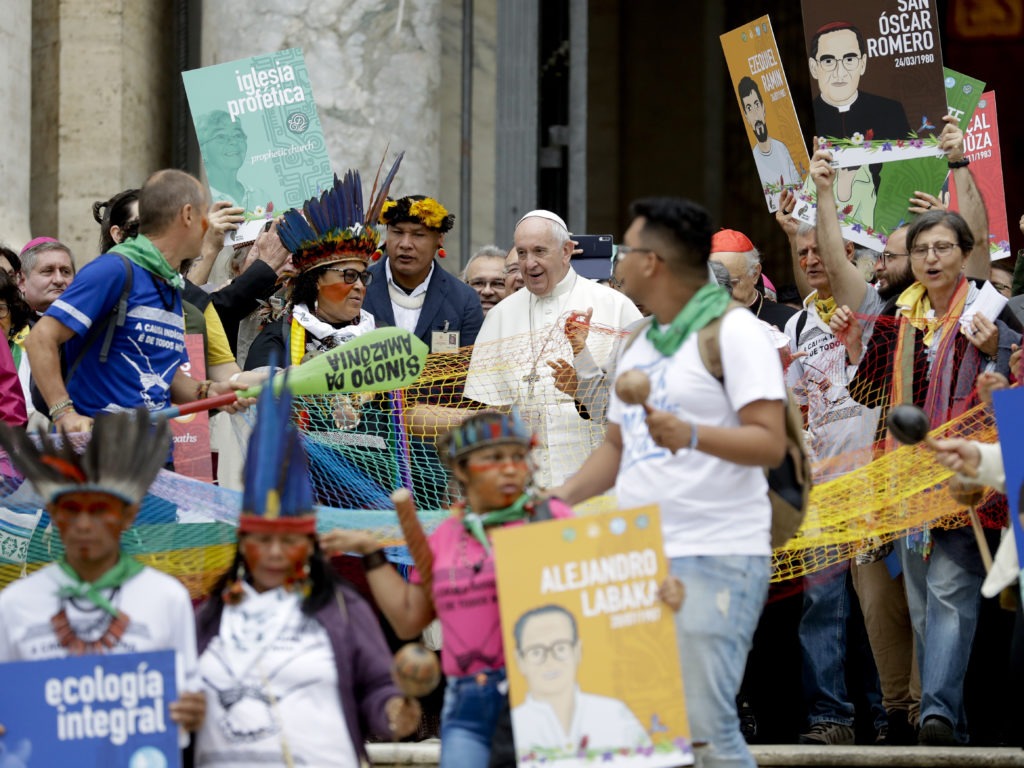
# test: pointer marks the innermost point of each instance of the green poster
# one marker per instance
(259, 133)
(927, 174)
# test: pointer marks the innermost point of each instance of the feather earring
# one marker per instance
(233, 593)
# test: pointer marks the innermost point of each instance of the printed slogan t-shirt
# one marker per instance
(466, 597)
(144, 354)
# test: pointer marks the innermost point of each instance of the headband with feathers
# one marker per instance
(124, 455)
(482, 429)
(278, 495)
(335, 227)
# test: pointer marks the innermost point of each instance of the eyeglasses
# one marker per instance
(850, 61)
(560, 650)
(941, 249)
(623, 250)
(5, 311)
(890, 255)
(351, 275)
(479, 283)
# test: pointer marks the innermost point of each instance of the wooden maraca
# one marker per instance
(910, 426)
(415, 670)
(633, 387)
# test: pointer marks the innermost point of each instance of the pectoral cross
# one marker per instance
(532, 378)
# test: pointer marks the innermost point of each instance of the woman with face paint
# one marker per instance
(294, 665)
(488, 455)
(332, 242)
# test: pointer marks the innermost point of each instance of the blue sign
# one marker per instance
(1008, 405)
(109, 711)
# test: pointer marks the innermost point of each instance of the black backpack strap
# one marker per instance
(800, 323)
(115, 319)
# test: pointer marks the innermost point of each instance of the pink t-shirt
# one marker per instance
(466, 597)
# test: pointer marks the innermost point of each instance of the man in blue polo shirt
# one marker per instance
(138, 363)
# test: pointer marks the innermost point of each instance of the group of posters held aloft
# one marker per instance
(590, 649)
(878, 98)
(107, 711)
(259, 134)
(766, 104)
(981, 147)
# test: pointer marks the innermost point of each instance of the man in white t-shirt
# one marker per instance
(96, 599)
(556, 713)
(697, 447)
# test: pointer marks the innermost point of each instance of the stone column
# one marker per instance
(16, 106)
(100, 116)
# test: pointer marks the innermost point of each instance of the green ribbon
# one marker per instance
(141, 251)
(126, 568)
(707, 304)
(475, 524)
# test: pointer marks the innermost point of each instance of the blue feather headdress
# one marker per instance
(336, 227)
(278, 495)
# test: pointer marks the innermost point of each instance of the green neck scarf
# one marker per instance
(126, 568)
(141, 251)
(476, 524)
(707, 304)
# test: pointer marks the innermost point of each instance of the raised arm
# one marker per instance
(847, 282)
(972, 206)
(789, 225)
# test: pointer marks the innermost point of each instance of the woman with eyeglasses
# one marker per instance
(930, 354)
(332, 241)
(326, 308)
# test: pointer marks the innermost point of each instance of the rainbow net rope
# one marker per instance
(363, 447)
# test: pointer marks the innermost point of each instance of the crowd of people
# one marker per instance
(289, 660)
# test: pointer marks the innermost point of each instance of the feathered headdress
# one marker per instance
(123, 456)
(278, 496)
(417, 209)
(336, 227)
(482, 429)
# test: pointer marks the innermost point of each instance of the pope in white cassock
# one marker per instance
(533, 322)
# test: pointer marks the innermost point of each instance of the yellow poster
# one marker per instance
(590, 649)
(766, 104)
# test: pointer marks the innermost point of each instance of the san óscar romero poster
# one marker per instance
(878, 96)
(766, 105)
(259, 134)
(590, 649)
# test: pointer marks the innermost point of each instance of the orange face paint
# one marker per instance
(336, 292)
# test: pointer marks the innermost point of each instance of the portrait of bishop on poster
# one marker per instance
(876, 79)
(590, 648)
(766, 104)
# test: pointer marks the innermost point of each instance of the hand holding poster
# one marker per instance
(259, 134)
(981, 148)
(106, 711)
(766, 104)
(590, 648)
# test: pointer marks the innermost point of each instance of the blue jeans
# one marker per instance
(944, 597)
(823, 645)
(715, 627)
(471, 707)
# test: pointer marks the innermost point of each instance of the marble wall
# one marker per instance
(386, 76)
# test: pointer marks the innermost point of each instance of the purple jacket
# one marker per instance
(362, 658)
